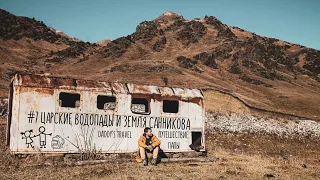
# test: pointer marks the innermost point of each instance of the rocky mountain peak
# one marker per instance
(169, 13)
(62, 34)
(168, 16)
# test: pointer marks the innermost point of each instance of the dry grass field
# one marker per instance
(239, 156)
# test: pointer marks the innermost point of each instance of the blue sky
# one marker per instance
(295, 21)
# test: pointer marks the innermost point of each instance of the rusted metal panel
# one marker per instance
(119, 88)
(68, 83)
(40, 124)
(166, 91)
(140, 89)
(187, 93)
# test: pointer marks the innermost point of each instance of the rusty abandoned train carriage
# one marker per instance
(64, 115)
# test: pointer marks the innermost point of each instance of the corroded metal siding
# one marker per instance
(39, 123)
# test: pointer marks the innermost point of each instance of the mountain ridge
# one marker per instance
(203, 53)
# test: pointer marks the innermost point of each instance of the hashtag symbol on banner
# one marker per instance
(31, 116)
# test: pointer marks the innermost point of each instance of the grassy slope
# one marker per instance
(298, 94)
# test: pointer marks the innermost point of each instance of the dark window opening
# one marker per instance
(196, 138)
(170, 106)
(70, 100)
(140, 105)
(196, 141)
(106, 102)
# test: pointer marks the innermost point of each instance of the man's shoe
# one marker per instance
(145, 162)
(154, 162)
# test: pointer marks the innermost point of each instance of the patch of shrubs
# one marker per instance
(16, 27)
(226, 33)
(146, 31)
(272, 57)
(250, 80)
(186, 62)
(214, 22)
(117, 47)
(175, 25)
(191, 32)
(74, 50)
(160, 44)
(207, 59)
(160, 68)
(54, 60)
(312, 60)
(235, 67)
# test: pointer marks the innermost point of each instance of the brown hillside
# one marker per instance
(262, 72)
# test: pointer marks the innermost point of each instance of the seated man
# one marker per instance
(148, 143)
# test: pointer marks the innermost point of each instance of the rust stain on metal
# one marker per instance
(159, 93)
(45, 91)
(118, 87)
(43, 81)
(196, 101)
(166, 91)
(142, 89)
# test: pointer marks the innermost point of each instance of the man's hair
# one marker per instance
(146, 129)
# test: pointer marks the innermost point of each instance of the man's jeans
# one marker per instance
(154, 152)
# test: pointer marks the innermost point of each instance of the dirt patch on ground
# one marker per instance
(267, 146)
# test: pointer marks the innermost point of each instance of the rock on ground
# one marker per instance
(262, 125)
